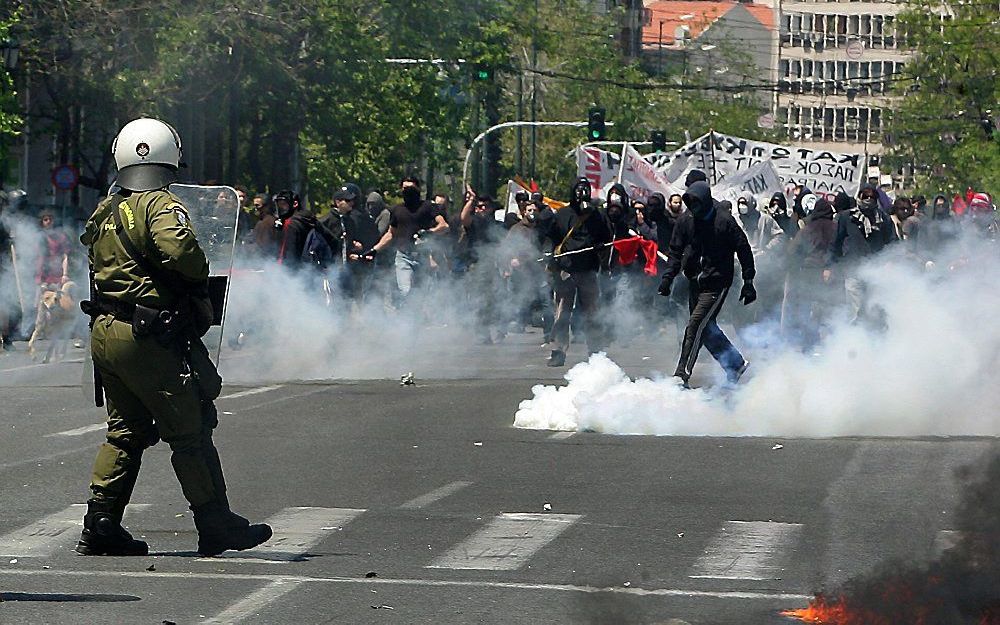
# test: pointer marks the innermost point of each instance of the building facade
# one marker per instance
(836, 65)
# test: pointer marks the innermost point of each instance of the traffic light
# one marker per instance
(484, 73)
(659, 140)
(595, 124)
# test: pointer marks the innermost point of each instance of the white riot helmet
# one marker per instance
(809, 203)
(147, 153)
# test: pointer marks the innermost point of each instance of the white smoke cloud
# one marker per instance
(931, 371)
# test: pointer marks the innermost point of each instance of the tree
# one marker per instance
(10, 120)
(946, 120)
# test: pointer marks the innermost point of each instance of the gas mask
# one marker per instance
(867, 203)
(581, 196)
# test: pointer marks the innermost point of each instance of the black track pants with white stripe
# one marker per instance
(702, 329)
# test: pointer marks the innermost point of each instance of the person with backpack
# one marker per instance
(295, 224)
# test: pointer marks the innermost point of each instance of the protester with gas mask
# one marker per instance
(703, 246)
(778, 208)
(862, 231)
(767, 240)
(410, 223)
(579, 234)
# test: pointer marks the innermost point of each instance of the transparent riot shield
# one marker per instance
(215, 218)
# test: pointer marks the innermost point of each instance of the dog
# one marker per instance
(56, 315)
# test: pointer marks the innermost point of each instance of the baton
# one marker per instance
(17, 278)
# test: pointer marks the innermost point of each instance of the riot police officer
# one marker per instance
(149, 308)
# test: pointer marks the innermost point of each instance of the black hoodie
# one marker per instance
(811, 246)
(295, 229)
(789, 223)
(711, 244)
(621, 221)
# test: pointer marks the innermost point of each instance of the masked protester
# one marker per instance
(704, 243)
(807, 296)
(578, 233)
(529, 285)
(905, 220)
(412, 223)
(778, 208)
(862, 231)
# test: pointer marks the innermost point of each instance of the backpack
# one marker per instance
(317, 250)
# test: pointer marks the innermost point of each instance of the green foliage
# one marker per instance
(301, 94)
(10, 121)
(951, 86)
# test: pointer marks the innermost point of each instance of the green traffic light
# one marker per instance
(595, 134)
(483, 74)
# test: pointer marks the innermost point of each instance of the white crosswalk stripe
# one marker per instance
(748, 550)
(296, 531)
(50, 533)
(507, 543)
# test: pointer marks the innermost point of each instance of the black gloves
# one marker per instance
(369, 255)
(665, 285)
(748, 294)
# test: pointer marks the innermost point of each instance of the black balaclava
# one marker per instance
(655, 206)
(695, 175)
(411, 197)
(698, 200)
(579, 195)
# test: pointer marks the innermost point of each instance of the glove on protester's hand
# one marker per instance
(369, 255)
(748, 294)
(665, 285)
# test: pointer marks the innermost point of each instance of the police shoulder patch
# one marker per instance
(180, 212)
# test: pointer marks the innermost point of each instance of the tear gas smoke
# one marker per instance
(929, 369)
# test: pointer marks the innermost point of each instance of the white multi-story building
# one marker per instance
(836, 64)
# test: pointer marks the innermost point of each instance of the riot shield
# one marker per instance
(215, 217)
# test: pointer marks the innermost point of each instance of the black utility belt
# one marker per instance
(145, 321)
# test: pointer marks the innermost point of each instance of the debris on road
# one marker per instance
(151, 567)
(382, 606)
(680, 535)
(627, 584)
(13, 561)
(546, 506)
(478, 443)
(407, 379)
(777, 446)
(371, 574)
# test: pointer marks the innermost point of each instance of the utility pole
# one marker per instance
(534, 91)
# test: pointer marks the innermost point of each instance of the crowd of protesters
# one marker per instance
(571, 269)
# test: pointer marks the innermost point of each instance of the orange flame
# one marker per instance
(823, 611)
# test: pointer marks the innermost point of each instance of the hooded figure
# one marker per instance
(618, 211)
(704, 241)
(778, 208)
(578, 237)
(295, 223)
(762, 230)
(580, 196)
(807, 297)
(797, 208)
(695, 175)
(660, 214)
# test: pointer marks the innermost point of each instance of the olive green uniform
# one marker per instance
(154, 388)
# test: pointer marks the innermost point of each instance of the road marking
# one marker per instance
(296, 531)
(256, 602)
(253, 391)
(507, 543)
(439, 583)
(49, 533)
(52, 456)
(561, 436)
(435, 495)
(78, 431)
(751, 550)
(41, 364)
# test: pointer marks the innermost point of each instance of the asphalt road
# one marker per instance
(421, 504)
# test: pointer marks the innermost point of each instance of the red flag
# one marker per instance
(958, 205)
(628, 250)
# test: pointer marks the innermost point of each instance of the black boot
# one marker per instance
(103, 534)
(220, 529)
(557, 358)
